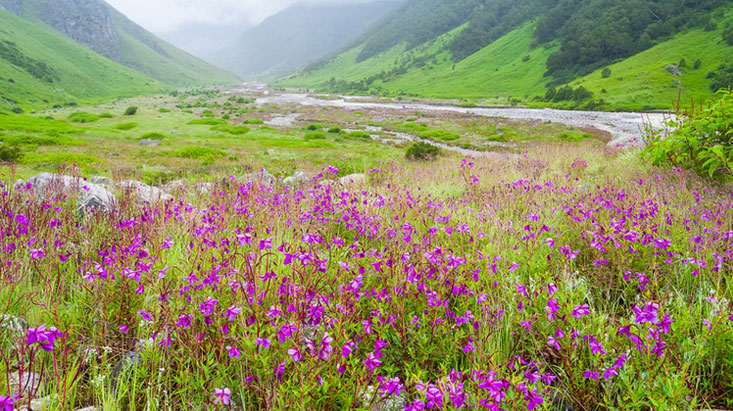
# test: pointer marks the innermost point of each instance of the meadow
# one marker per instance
(557, 274)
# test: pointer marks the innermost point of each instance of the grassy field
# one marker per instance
(561, 273)
(510, 69)
(72, 72)
(211, 135)
(643, 81)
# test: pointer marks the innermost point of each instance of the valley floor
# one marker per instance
(239, 249)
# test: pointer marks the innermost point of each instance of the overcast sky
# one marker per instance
(164, 16)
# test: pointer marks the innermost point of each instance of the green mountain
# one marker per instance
(40, 66)
(299, 35)
(532, 49)
(101, 28)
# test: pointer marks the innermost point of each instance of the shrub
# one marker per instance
(208, 121)
(422, 151)
(106, 115)
(698, 139)
(314, 127)
(525, 58)
(697, 64)
(315, 136)
(728, 36)
(359, 135)
(335, 130)
(82, 117)
(153, 136)
(606, 73)
(17, 110)
(131, 111)
(682, 63)
(10, 154)
(125, 126)
(207, 113)
(236, 130)
(198, 152)
(164, 110)
(440, 134)
(722, 77)
(254, 121)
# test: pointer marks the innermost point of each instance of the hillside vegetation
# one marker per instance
(104, 30)
(528, 49)
(40, 67)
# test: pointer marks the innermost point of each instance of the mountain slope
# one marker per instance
(39, 66)
(492, 56)
(299, 35)
(101, 28)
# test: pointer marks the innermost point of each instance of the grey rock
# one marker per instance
(259, 177)
(174, 132)
(13, 6)
(674, 70)
(103, 181)
(204, 188)
(353, 179)
(29, 383)
(85, 21)
(391, 403)
(299, 178)
(91, 197)
(149, 142)
(173, 187)
(144, 192)
(16, 326)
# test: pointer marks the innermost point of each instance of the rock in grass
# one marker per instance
(174, 187)
(298, 178)
(91, 197)
(103, 181)
(29, 383)
(16, 326)
(149, 142)
(144, 192)
(353, 179)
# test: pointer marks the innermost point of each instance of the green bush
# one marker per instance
(314, 127)
(235, 130)
(682, 64)
(153, 136)
(697, 64)
(17, 110)
(421, 151)
(131, 111)
(10, 154)
(207, 113)
(728, 36)
(359, 135)
(83, 117)
(106, 115)
(606, 73)
(254, 121)
(699, 139)
(440, 134)
(198, 152)
(722, 77)
(164, 110)
(208, 121)
(125, 126)
(315, 136)
(335, 130)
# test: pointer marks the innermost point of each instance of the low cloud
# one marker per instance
(164, 16)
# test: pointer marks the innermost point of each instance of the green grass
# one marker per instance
(78, 74)
(642, 81)
(509, 69)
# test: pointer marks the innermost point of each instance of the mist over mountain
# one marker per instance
(298, 36)
(106, 31)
